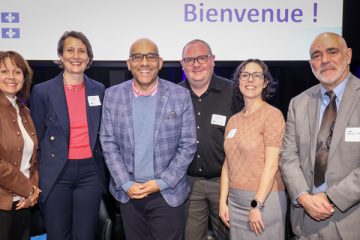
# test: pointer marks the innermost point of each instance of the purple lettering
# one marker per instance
(296, 15)
(240, 17)
(225, 11)
(285, 18)
(199, 13)
(211, 13)
(271, 15)
(253, 15)
(190, 12)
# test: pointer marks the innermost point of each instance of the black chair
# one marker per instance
(105, 223)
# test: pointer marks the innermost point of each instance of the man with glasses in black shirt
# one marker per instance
(214, 103)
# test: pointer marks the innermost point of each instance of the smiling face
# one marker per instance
(144, 72)
(329, 59)
(11, 78)
(252, 87)
(198, 74)
(75, 57)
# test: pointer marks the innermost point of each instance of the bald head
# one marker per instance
(144, 63)
(196, 42)
(330, 59)
(327, 37)
(143, 43)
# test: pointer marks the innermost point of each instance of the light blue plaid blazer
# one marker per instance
(174, 139)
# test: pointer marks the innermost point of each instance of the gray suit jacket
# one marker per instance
(343, 171)
(174, 139)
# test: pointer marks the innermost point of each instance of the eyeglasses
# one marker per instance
(256, 76)
(200, 59)
(138, 57)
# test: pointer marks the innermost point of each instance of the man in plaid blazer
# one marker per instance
(148, 137)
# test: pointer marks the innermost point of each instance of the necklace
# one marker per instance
(74, 88)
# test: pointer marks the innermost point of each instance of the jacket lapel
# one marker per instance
(58, 101)
(347, 105)
(128, 104)
(162, 100)
(313, 113)
(92, 112)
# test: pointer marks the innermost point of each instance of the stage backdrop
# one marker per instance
(236, 29)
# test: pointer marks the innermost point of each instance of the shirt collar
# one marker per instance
(12, 100)
(338, 90)
(212, 85)
(138, 92)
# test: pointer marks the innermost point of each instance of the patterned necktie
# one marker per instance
(324, 140)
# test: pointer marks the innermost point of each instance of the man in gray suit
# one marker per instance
(331, 209)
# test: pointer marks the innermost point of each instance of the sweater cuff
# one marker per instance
(162, 184)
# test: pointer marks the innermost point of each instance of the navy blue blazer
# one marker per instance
(51, 118)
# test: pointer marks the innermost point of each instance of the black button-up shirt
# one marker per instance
(212, 111)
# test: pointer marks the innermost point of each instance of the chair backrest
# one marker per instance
(105, 223)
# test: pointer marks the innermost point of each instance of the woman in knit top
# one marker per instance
(252, 200)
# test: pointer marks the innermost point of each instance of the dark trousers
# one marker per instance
(15, 224)
(71, 210)
(151, 218)
(202, 205)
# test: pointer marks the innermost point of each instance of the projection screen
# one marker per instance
(235, 29)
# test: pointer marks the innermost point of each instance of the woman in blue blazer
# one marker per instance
(66, 111)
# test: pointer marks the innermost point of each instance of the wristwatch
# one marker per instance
(256, 204)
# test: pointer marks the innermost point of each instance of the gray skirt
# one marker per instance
(273, 215)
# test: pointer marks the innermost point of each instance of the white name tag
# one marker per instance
(352, 134)
(218, 120)
(94, 101)
(231, 133)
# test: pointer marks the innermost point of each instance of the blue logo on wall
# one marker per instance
(10, 32)
(10, 27)
(10, 17)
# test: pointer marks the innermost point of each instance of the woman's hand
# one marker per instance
(255, 221)
(23, 203)
(34, 196)
(224, 214)
(30, 201)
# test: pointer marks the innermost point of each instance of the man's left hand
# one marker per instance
(150, 186)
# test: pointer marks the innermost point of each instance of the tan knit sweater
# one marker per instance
(245, 146)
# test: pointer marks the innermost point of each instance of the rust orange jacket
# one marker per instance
(12, 180)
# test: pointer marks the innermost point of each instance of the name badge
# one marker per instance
(352, 134)
(218, 120)
(231, 133)
(94, 101)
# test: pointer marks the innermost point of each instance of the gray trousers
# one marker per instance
(202, 205)
(319, 230)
